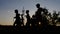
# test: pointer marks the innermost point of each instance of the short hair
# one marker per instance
(37, 4)
(16, 11)
(27, 11)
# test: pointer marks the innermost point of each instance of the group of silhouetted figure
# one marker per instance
(41, 18)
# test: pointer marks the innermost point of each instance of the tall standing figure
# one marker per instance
(38, 14)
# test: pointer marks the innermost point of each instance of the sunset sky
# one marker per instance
(7, 8)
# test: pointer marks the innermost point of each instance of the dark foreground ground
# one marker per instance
(30, 29)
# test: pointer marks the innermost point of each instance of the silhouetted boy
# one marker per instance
(33, 21)
(17, 17)
(28, 18)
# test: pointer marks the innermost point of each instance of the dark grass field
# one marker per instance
(29, 29)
